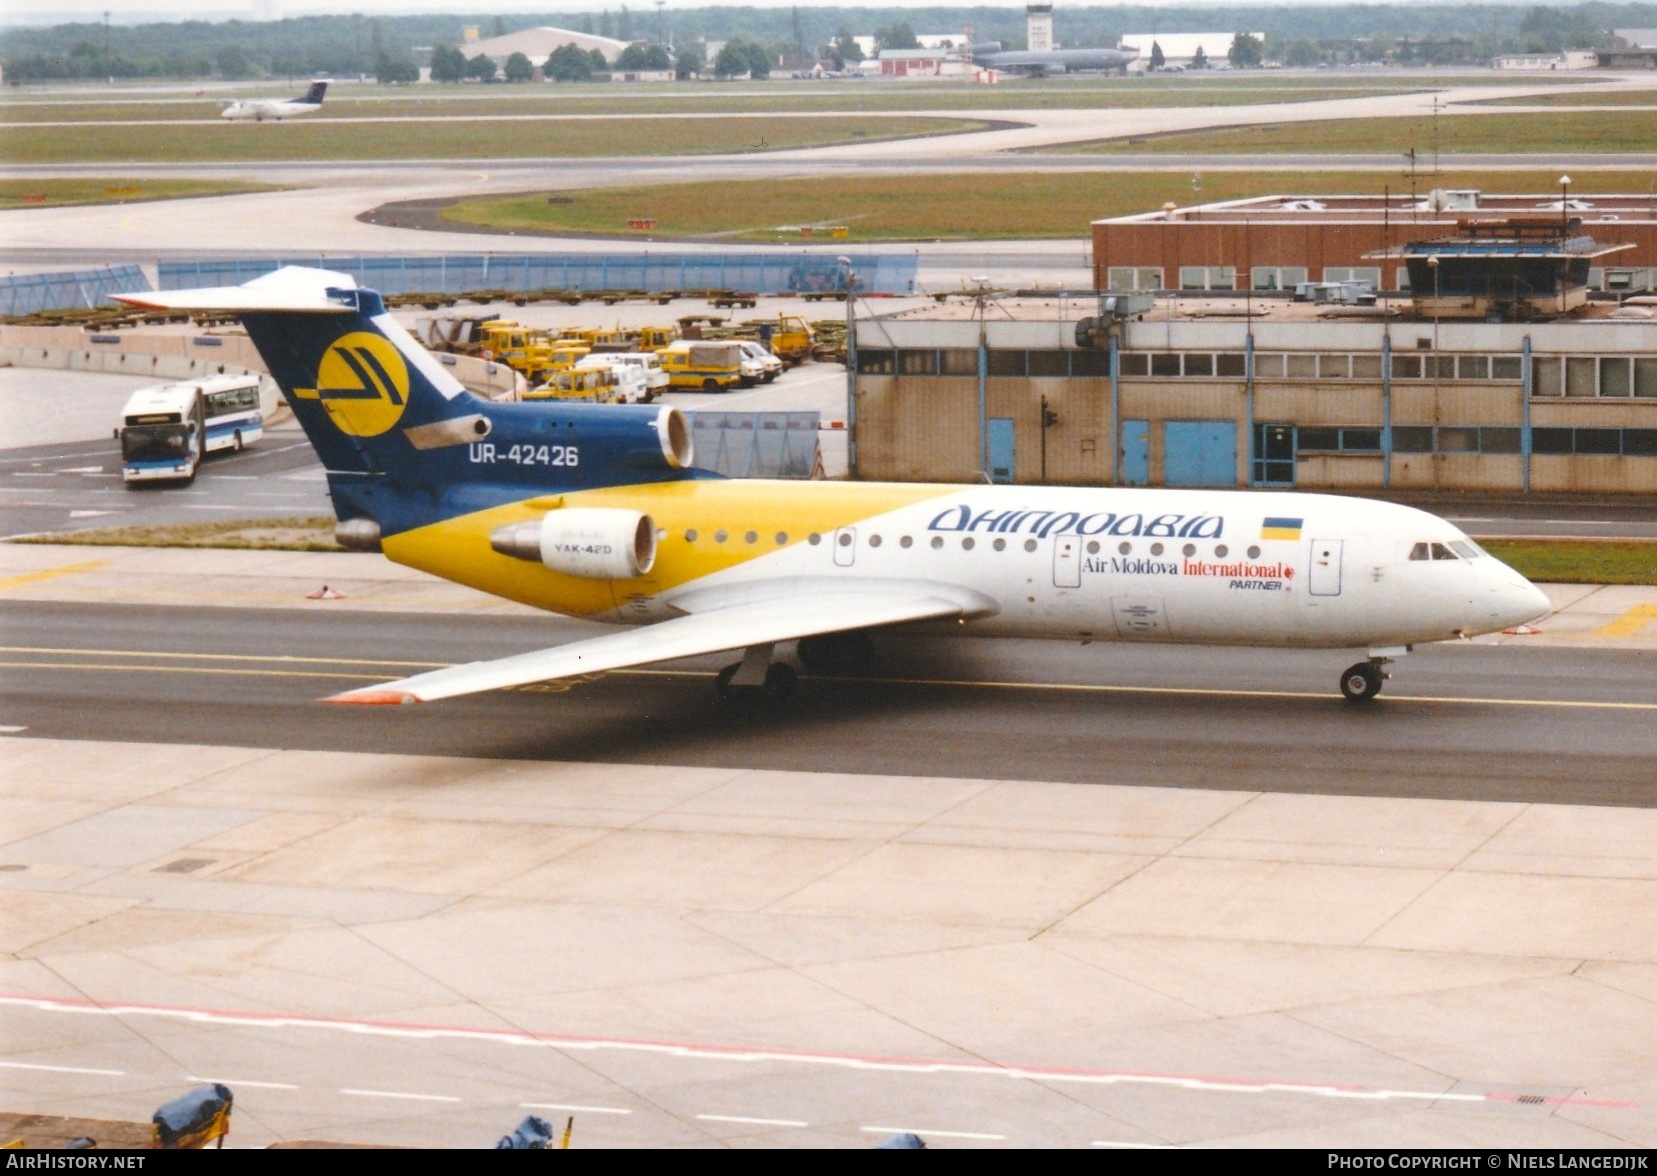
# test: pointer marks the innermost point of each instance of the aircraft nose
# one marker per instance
(1523, 602)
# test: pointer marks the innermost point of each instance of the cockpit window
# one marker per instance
(1425, 551)
(1466, 548)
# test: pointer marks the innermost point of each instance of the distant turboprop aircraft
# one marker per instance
(1047, 62)
(260, 109)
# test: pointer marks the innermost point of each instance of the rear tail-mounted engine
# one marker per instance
(595, 543)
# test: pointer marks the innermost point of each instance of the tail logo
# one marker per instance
(363, 384)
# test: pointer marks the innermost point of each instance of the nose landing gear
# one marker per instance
(1362, 682)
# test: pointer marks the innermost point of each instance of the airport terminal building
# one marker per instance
(1267, 391)
(1312, 367)
(1276, 242)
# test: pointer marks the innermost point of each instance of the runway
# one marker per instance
(1476, 722)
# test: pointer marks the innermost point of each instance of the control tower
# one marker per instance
(1039, 27)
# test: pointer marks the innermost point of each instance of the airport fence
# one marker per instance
(65, 290)
(756, 444)
(749, 271)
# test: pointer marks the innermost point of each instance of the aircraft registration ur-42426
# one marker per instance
(598, 511)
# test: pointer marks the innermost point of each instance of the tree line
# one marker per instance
(358, 45)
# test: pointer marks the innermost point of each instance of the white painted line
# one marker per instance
(929, 1134)
(61, 1069)
(754, 1122)
(574, 1107)
(236, 1083)
(11, 730)
(1133, 1146)
(444, 1098)
(755, 1056)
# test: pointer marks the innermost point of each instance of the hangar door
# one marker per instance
(1199, 453)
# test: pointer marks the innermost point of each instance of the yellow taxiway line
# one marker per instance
(947, 683)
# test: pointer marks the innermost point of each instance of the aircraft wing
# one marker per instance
(732, 625)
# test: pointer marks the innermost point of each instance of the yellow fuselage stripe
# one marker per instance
(458, 549)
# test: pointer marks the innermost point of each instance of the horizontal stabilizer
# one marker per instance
(732, 627)
(292, 288)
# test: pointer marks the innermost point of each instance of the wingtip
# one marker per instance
(372, 698)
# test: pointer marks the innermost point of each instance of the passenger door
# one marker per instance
(1324, 577)
(1067, 561)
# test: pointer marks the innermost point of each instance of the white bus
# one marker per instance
(166, 429)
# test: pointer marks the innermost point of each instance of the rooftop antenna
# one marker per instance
(1436, 176)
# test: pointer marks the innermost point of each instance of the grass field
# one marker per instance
(1568, 133)
(1563, 561)
(1600, 98)
(293, 534)
(1225, 89)
(452, 139)
(48, 193)
(962, 205)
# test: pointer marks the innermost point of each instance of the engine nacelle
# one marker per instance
(595, 543)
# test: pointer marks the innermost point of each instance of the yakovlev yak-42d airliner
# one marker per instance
(598, 511)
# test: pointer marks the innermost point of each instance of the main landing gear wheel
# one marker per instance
(1361, 682)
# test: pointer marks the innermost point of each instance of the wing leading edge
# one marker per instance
(730, 627)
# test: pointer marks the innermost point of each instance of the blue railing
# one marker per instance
(760, 272)
(77, 289)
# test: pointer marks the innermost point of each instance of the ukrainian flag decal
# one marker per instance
(1280, 529)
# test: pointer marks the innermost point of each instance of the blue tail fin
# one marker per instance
(403, 442)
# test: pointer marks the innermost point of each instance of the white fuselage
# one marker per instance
(1146, 565)
(268, 110)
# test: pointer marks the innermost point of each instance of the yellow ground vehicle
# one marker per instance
(563, 356)
(791, 337)
(703, 366)
(502, 340)
(656, 338)
(589, 385)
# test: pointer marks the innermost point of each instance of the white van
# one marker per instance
(652, 380)
(769, 366)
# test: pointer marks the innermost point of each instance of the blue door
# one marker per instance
(1136, 453)
(1199, 453)
(1001, 449)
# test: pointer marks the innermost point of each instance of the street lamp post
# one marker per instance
(850, 275)
(1435, 360)
(1564, 205)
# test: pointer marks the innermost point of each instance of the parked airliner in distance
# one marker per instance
(1048, 62)
(263, 109)
(598, 511)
